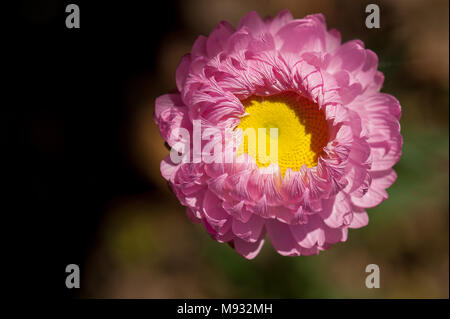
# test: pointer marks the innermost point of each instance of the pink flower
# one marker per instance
(338, 135)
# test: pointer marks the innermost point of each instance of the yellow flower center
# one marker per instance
(302, 131)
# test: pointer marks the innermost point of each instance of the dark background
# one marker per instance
(89, 186)
(73, 116)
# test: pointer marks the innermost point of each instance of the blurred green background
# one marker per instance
(146, 246)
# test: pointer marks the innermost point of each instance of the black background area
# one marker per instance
(72, 112)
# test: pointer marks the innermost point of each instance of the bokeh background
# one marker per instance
(134, 239)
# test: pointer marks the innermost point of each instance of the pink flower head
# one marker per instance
(338, 136)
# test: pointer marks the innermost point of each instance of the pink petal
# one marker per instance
(350, 56)
(377, 190)
(281, 238)
(310, 234)
(249, 231)
(199, 47)
(182, 71)
(194, 216)
(253, 22)
(215, 215)
(247, 249)
(279, 21)
(168, 168)
(337, 212)
(165, 102)
(303, 35)
(218, 38)
(333, 40)
(360, 218)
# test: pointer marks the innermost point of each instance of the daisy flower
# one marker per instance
(337, 137)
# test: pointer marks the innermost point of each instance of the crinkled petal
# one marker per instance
(249, 249)
(377, 191)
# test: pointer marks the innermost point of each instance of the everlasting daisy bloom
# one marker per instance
(338, 136)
